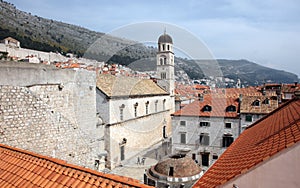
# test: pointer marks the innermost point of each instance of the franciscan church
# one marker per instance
(135, 113)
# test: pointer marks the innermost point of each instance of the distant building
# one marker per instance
(176, 171)
(266, 154)
(11, 42)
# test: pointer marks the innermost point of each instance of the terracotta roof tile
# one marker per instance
(278, 130)
(219, 103)
(19, 168)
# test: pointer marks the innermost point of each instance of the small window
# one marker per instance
(228, 125)
(205, 159)
(161, 61)
(165, 61)
(163, 75)
(248, 118)
(164, 104)
(121, 114)
(215, 156)
(204, 139)
(147, 107)
(183, 138)
(182, 123)
(135, 109)
(168, 47)
(256, 103)
(266, 101)
(204, 124)
(231, 108)
(207, 108)
(164, 132)
(171, 171)
(163, 47)
(227, 140)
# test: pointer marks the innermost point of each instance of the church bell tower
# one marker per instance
(165, 63)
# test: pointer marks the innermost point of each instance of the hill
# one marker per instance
(47, 35)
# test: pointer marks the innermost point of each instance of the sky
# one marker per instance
(265, 32)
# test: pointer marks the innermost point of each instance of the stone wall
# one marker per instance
(50, 111)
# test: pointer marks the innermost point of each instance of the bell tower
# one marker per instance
(165, 63)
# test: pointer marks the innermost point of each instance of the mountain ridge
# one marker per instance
(43, 34)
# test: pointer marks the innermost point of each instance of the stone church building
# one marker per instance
(136, 112)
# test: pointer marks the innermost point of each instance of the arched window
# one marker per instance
(207, 108)
(161, 61)
(165, 60)
(231, 108)
(256, 103)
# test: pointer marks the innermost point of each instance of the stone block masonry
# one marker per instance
(53, 114)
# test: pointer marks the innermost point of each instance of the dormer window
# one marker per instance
(266, 101)
(231, 108)
(207, 108)
(256, 103)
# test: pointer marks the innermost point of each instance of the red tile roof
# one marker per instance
(19, 168)
(278, 130)
(219, 103)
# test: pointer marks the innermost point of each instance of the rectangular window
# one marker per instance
(204, 124)
(248, 118)
(147, 108)
(204, 139)
(164, 104)
(228, 125)
(122, 153)
(182, 123)
(121, 114)
(183, 138)
(205, 159)
(227, 140)
(135, 111)
(215, 157)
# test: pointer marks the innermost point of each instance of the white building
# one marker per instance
(136, 112)
(206, 127)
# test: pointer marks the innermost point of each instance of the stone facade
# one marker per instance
(213, 148)
(50, 111)
(132, 133)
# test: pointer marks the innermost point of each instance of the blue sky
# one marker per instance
(266, 32)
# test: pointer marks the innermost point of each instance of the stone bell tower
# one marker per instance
(165, 64)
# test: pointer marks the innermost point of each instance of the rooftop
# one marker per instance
(277, 131)
(113, 86)
(20, 168)
(218, 104)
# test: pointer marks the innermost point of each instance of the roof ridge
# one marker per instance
(122, 179)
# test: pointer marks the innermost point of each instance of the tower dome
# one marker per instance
(165, 38)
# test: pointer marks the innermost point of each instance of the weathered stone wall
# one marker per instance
(50, 111)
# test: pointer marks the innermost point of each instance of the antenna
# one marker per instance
(165, 30)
